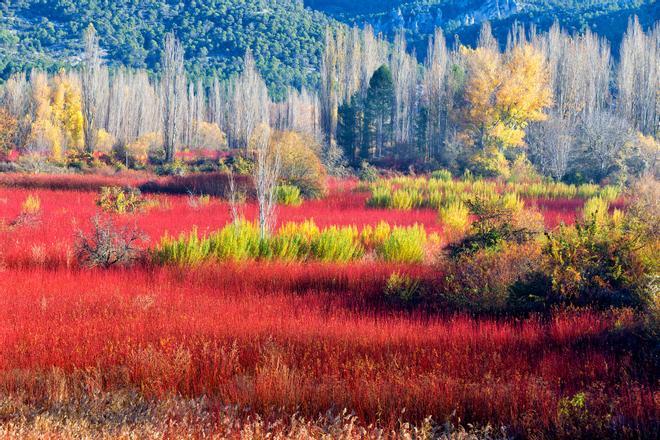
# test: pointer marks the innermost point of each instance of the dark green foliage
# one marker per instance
(494, 225)
(350, 118)
(286, 39)
(420, 17)
(378, 113)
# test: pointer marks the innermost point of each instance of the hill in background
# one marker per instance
(286, 36)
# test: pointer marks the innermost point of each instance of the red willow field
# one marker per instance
(276, 339)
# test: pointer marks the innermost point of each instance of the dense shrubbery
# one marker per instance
(296, 242)
(410, 192)
(121, 200)
(606, 259)
(289, 195)
(301, 166)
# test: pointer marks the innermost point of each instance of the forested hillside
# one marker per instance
(462, 18)
(285, 38)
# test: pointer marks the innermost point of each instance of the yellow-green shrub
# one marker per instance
(120, 200)
(596, 209)
(31, 205)
(337, 244)
(289, 195)
(381, 197)
(455, 216)
(403, 245)
(188, 249)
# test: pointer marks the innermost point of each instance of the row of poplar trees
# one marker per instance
(546, 94)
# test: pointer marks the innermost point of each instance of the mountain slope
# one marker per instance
(463, 18)
(286, 38)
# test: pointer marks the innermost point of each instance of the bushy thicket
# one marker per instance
(120, 200)
(505, 265)
(305, 241)
(406, 193)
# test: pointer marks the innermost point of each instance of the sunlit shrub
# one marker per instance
(596, 209)
(337, 244)
(301, 164)
(587, 191)
(403, 245)
(31, 205)
(187, 249)
(120, 200)
(289, 195)
(512, 202)
(381, 197)
(406, 199)
(496, 223)
(444, 175)
(609, 193)
(455, 216)
(375, 236)
(238, 241)
(597, 263)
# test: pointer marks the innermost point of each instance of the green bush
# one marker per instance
(119, 200)
(289, 195)
(403, 289)
(455, 216)
(368, 173)
(404, 245)
(596, 262)
(335, 244)
(406, 199)
(381, 197)
(444, 175)
(186, 250)
(239, 241)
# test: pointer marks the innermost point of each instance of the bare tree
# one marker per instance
(250, 104)
(328, 90)
(435, 78)
(94, 82)
(603, 142)
(173, 89)
(134, 106)
(551, 145)
(638, 78)
(404, 75)
(268, 165)
(486, 39)
(16, 99)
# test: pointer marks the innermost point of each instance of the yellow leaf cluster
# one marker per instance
(504, 94)
(58, 119)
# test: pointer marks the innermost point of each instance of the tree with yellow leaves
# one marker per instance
(67, 110)
(58, 120)
(504, 93)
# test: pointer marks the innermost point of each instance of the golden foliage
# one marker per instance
(301, 165)
(210, 136)
(8, 128)
(504, 94)
(58, 119)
